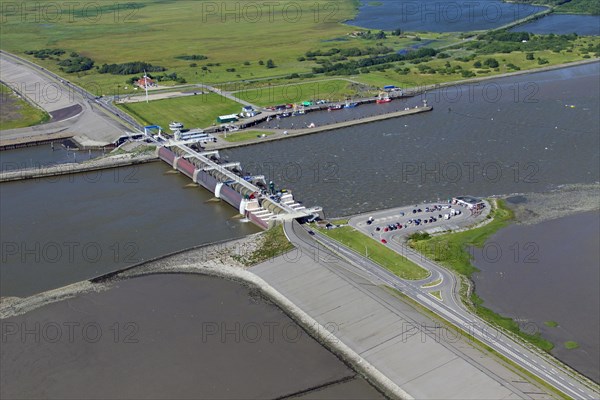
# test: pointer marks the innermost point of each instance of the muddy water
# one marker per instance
(42, 156)
(526, 133)
(552, 272)
(165, 337)
(57, 231)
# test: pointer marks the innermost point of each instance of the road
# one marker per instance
(450, 309)
(96, 122)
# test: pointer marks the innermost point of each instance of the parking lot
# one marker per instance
(427, 217)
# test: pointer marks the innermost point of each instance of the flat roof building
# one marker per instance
(471, 202)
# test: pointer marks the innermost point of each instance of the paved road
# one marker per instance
(451, 308)
(99, 123)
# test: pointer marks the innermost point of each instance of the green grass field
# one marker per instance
(199, 111)
(16, 112)
(273, 243)
(332, 90)
(238, 40)
(244, 135)
(377, 252)
(416, 79)
(157, 31)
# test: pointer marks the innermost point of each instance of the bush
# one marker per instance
(477, 64)
(76, 63)
(270, 64)
(419, 236)
(45, 53)
(129, 68)
(529, 56)
(193, 57)
(491, 62)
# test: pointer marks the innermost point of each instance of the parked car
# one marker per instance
(383, 241)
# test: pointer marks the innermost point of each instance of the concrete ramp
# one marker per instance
(407, 347)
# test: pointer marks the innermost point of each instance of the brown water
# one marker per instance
(507, 135)
(552, 272)
(56, 231)
(167, 337)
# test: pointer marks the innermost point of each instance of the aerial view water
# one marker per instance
(436, 16)
(552, 277)
(466, 145)
(80, 226)
(562, 24)
(523, 133)
(43, 156)
(135, 282)
(165, 337)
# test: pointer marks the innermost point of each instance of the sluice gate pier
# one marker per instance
(250, 195)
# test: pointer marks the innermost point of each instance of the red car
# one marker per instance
(383, 241)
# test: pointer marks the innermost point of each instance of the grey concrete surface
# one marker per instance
(406, 346)
(93, 126)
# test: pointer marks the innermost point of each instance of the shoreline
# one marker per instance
(221, 259)
(214, 260)
(417, 90)
(115, 161)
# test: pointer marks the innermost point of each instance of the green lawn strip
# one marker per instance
(18, 113)
(377, 252)
(274, 243)
(437, 294)
(199, 111)
(476, 342)
(340, 221)
(450, 250)
(432, 284)
(241, 136)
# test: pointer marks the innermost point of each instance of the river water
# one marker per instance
(167, 337)
(552, 272)
(42, 156)
(61, 230)
(517, 134)
(440, 16)
(563, 24)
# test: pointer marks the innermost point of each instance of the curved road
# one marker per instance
(73, 108)
(451, 308)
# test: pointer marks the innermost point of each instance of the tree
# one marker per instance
(477, 64)
(491, 62)
(270, 63)
(261, 62)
